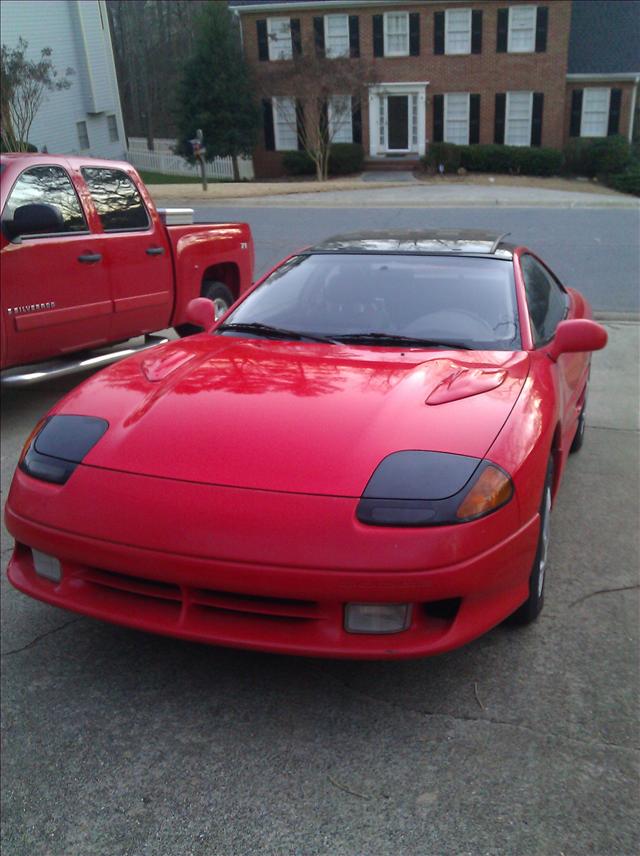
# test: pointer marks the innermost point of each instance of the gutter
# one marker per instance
(622, 75)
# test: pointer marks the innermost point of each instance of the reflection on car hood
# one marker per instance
(291, 416)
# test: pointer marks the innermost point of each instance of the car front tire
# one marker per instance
(532, 607)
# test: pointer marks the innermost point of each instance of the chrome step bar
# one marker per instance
(28, 375)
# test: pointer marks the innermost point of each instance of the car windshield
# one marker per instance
(385, 300)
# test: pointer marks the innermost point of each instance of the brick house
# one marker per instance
(511, 72)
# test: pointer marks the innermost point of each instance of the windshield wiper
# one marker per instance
(401, 341)
(270, 332)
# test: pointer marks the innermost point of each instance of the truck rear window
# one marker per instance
(119, 205)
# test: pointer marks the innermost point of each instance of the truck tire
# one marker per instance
(222, 299)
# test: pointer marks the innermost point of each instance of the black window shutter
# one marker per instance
(542, 21)
(318, 35)
(498, 128)
(354, 36)
(536, 119)
(476, 31)
(263, 42)
(300, 125)
(324, 121)
(576, 113)
(378, 36)
(267, 120)
(438, 32)
(438, 118)
(357, 121)
(296, 40)
(474, 119)
(414, 34)
(614, 111)
(503, 30)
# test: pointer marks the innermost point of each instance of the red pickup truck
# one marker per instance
(88, 261)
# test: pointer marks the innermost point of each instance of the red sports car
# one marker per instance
(358, 460)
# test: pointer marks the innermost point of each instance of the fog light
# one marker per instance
(47, 566)
(377, 617)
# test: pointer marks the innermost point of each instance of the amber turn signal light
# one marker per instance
(492, 489)
(31, 438)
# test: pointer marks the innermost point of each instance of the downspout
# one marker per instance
(634, 96)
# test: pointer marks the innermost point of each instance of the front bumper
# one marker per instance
(149, 568)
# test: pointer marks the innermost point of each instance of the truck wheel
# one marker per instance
(222, 299)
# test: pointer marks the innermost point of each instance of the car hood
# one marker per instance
(288, 416)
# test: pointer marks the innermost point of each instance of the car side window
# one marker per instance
(547, 302)
(119, 205)
(47, 185)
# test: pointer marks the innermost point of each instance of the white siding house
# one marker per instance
(87, 117)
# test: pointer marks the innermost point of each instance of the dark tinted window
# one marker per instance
(546, 300)
(116, 198)
(463, 300)
(48, 185)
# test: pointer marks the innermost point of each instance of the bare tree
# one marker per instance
(24, 83)
(327, 93)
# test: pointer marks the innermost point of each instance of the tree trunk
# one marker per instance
(236, 168)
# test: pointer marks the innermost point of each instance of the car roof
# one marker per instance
(74, 161)
(419, 242)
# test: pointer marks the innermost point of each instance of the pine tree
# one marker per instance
(216, 93)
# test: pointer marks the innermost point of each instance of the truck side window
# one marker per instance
(49, 185)
(119, 205)
(547, 302)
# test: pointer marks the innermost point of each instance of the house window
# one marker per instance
(457, 39)
(381, 120)
(340, 119)
(456, 118)
(279, 37)
(396, 34)
(414, 120)
(336, 35)
(517, 131)
(595, 112)
(113, 129)
(83, 135)
(522, 29)
(285, 124)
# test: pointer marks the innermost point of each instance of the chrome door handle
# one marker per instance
(90, 258)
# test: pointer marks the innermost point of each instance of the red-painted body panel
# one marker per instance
(127, 292)
(220, 505)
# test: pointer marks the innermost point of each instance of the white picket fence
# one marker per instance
(163, 160)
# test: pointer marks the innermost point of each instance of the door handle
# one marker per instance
(90, 258)
(154, 251)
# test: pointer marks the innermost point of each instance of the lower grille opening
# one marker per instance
(132, 585)
(442, 609)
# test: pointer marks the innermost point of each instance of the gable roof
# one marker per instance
(605, 37)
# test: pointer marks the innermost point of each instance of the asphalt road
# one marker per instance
(116, 743)
(593, 250)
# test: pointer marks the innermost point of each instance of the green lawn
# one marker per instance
(160, 178)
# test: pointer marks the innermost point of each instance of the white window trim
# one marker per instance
(510, 49)
(346, 118)
(387, 52)
(446, 99)
(608, 108)
(275, 100)
(506, 118)
(273, 46)
(446, 32)
(326, 36)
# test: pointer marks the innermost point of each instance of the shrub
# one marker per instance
(628, 181)
(25, 147)
(538, 161)
(447, 154)
(345, 158)
(592, 156)
(298, 163)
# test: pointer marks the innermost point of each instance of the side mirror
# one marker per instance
(201, 313)
(36, 218)
(577, 336)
